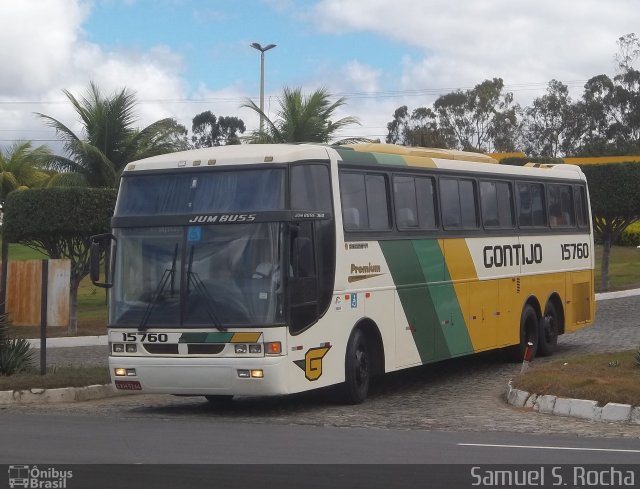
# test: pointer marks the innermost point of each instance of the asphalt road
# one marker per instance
(30, 438)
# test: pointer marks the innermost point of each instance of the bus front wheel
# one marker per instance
(357, 369)
(219, 399)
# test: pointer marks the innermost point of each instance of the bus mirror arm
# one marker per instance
(102, 245)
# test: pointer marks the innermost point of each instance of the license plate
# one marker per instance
(128, 385)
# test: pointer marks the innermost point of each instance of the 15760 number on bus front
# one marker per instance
(148, 337)
(574, 251)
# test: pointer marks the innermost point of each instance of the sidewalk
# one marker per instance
(103, 340)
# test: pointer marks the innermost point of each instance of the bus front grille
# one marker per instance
(204, 349)
(160, 349)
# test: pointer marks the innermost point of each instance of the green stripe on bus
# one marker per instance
(417, 303)
(432, 311)
(370, 159)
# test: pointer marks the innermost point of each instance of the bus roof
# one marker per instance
(368, 154)
(233, 155)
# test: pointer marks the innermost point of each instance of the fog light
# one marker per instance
(273, 348)
(118, 348)
(241, 348)
(255, 348)
(243, 374)
(120, 372)
(257, 374)
(132, 348)
(131, 372)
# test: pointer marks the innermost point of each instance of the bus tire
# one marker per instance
(529, 332)
(357, 369)
(549, 328)
(219, 399)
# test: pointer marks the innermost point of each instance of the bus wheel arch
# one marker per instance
(551, 325)
(364, 358)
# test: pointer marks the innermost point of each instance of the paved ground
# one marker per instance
(458, 395)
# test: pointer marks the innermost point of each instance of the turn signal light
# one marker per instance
(273, 348)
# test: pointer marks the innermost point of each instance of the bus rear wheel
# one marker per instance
(549, 327)
(529, 333)
(357, 369)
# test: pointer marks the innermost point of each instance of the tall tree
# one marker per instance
(615, 203)
(481, 119)
(209, 130)
(418, 129)
(109, 139)
(549, 127)
(21, 167)
(611, 106)
(301, 118)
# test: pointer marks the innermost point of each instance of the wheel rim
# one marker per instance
(530, 330)
(361, 368)
(550, 327)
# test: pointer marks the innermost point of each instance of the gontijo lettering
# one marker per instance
(511, 255)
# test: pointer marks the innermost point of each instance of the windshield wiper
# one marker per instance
(168, 275)
(192, 277)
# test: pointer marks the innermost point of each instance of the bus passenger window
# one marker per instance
(561, 212)
(581, 207)
(364, 202)
(458, 200)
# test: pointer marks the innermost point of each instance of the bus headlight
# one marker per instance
(118, 348)
(241, 348)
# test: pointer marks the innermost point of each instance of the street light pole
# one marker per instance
(262, 50)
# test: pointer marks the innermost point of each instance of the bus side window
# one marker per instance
(581, 207)
(458, 201)
(365, 202)
(532, 210)
(561, 212)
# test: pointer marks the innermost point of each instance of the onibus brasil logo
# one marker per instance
(33, 477)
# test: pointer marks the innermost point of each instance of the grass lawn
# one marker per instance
(608, 377)
(58, 377)
(624, 267)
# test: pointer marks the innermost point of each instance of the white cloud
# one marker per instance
(36, 68)
(466, 42)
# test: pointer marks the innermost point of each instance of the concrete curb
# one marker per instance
(53, 396)
(612, 412)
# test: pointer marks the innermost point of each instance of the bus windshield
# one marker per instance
(167, 194)
(198, 276)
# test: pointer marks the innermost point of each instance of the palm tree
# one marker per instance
(108, 141)
(301, 118)
(21, 166)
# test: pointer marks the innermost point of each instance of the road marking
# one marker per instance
(549, 448)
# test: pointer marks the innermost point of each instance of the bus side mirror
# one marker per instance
(302, 258)
(102, 245)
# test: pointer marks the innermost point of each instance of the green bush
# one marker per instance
(16, 354)
(630, 236)
(43, 213)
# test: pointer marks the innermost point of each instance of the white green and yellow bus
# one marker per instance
(274, 269)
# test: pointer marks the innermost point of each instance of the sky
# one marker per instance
(182, 57)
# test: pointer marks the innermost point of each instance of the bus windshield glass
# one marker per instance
(205, 191)
(198, 276)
